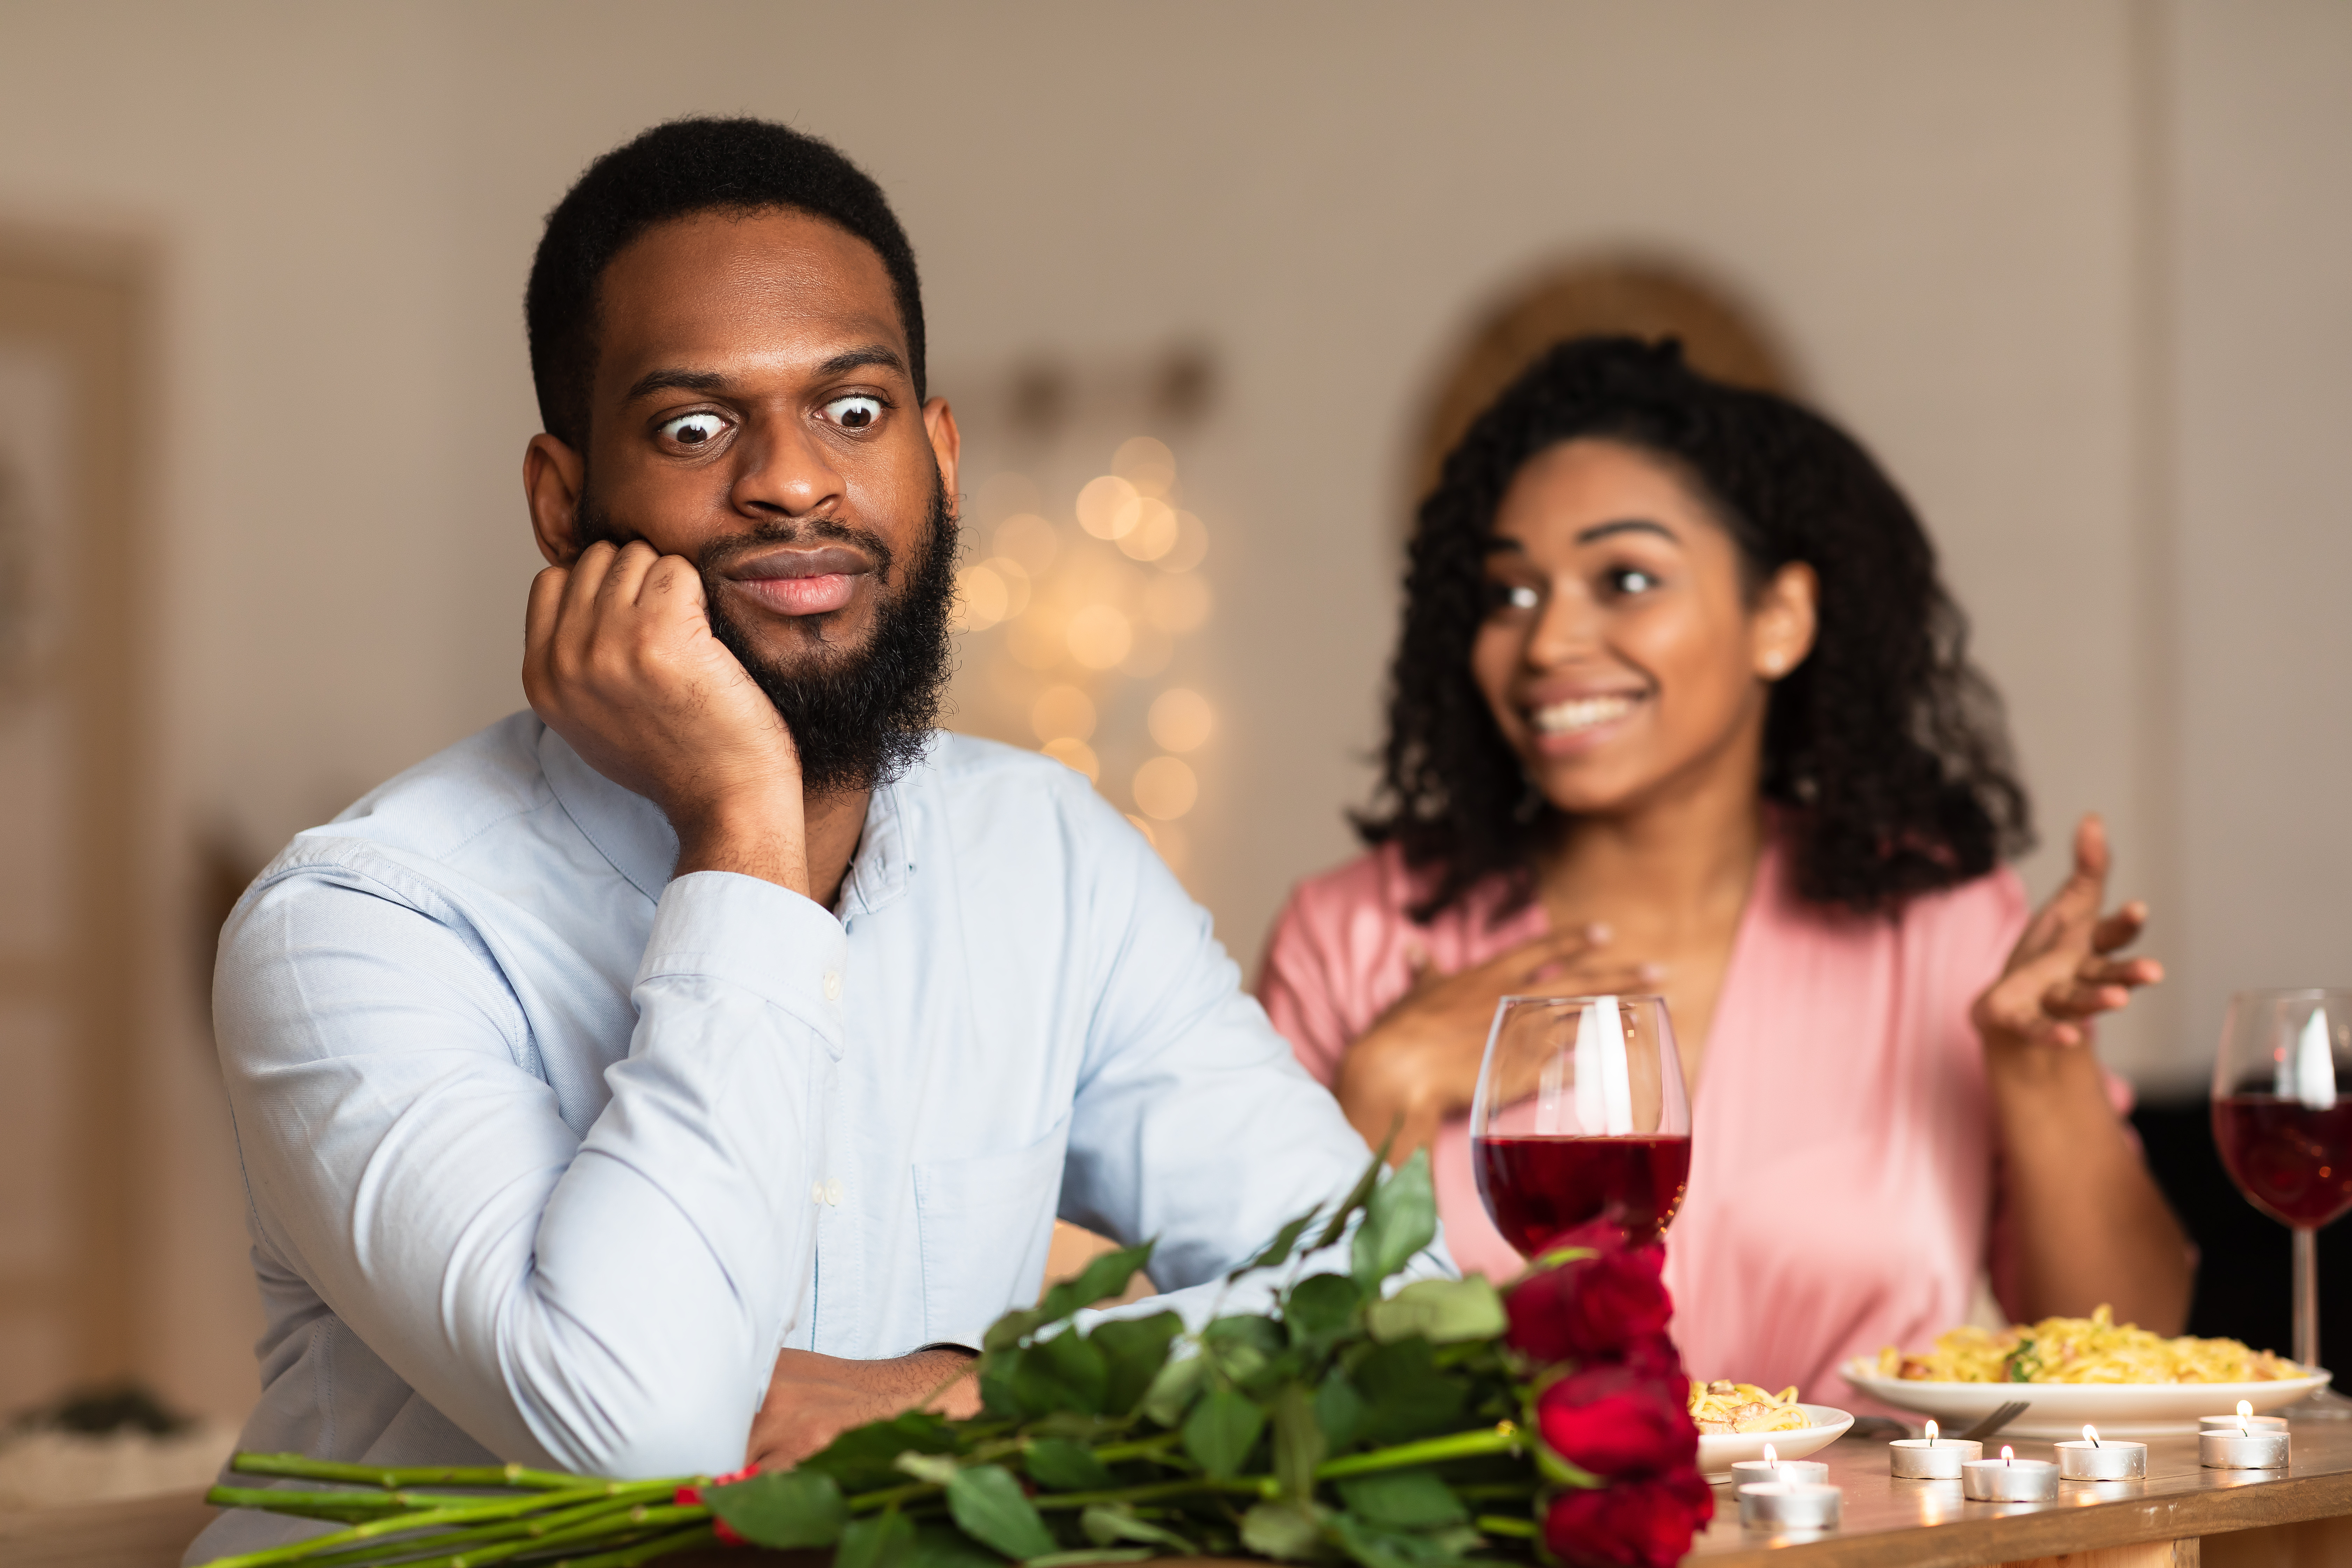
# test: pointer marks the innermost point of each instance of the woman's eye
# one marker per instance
(694, 429)
(1632, 580)
(854, 413)
(1512, 597)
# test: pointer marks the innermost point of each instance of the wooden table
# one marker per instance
(2182, 1515)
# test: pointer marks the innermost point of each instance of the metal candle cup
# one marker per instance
(1781, 1505)
(1919, 1459)
(2252, 1423)
(1791, 1472)
(2105, 1460)
(2233, 1450)
(2010, 1479)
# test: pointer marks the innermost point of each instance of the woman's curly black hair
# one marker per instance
(1886, 747)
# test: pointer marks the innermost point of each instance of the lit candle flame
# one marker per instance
(2091, 1433)
(2008, 1456)
(1931, 1431)
(1771, 1458)
(2245, 1417)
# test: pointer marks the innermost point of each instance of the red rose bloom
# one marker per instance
(1633, 1524)
(1618, 1420)
(1592, 1307)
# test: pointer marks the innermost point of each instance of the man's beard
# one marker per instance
(860, 716)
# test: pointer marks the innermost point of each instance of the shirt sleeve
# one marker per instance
(1193, 1122)
(610, 1304)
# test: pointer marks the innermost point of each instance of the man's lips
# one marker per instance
(801, 582)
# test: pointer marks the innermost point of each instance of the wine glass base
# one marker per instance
(2325, 1405)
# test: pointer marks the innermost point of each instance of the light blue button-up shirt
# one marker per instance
(547, 1152)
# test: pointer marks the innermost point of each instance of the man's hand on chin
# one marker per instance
(620, 661)
(812, 1399)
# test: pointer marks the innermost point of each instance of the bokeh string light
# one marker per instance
(1071, 618)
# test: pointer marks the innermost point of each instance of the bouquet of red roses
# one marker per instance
(1436, 1424)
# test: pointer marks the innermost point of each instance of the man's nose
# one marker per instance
(784, 472)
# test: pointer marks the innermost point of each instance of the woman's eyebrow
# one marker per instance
(1627, 525)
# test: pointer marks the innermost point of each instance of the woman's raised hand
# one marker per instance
(2062, 971)
(1419, 1064)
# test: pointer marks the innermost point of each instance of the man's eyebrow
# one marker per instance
(1627, 525)
(848, 360)
(674, 380)
(670, 378)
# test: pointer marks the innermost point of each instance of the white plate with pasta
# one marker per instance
(1793, 1429)
(2072, 1371)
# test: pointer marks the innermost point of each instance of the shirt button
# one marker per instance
(833, 1191)
(816, 1192)
(833, 985)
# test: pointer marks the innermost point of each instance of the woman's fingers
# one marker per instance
(2120, 929)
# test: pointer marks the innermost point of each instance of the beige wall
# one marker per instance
(2070, 268)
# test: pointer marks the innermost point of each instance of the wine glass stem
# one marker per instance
(2306, 1295)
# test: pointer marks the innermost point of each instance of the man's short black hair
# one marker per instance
(673, 171)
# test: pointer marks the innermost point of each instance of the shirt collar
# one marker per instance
(631, 832)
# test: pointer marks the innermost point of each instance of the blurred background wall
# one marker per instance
(2075, 271)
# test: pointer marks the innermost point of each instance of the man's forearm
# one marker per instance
(2089, 1225)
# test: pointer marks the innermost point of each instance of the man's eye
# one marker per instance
(694, 429)
(854, 413)
(1512, 597)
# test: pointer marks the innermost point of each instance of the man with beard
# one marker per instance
(693, 1066)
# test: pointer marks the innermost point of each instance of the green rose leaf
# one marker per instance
(1222, 1430)
(1338, 1409)
(1403, 1500)
(864, 1459)
(1400, 1220)
(1372, 1547)
(987, 1505)
(1363, 1190)
(937, 1469)
(793, 1509)
(1321, 1306)
(1059, 1465)
(944, 1546)
(1277, 1251)
(1012, 1329)
(1065, 1373)
(1443, 1312)
(1172, 1391)
(1286, 1530)
(886, 1540)
(1106, 1277)
(1092, 1554)
(1106, 1522)
(1133, 1350)
(1406, 1394)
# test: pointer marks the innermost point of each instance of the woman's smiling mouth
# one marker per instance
(1575, 715)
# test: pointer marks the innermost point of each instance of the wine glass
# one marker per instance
(1580, 1115)
(2285, 1134)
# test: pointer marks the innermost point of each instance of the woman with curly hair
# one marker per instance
(1681, 707)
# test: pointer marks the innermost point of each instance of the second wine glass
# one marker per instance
(1580, 1115)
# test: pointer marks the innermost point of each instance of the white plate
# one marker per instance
(1718, 1451)
(2060, 1409)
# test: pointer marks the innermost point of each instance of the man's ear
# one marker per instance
(947, 446)
(552, 475)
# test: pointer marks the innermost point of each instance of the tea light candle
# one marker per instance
(1784, 1505)
(1934, 1457)
(2240, 1446)
(2093, 1461)
(1771, 1468)
(2010, 1479)
(2245, 1420)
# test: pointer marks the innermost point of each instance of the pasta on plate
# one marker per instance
(1720, 1406)
(2096, 1348)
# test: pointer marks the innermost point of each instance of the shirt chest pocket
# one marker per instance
(985, 1223)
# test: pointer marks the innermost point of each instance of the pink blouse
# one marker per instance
(1841, 1185)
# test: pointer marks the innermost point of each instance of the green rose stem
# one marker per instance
(1496, 1525)
(482, 1513)
(1502, 1437)
(304, 1468)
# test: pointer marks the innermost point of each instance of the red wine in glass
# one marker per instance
(1538, 1188)
(2293, 1160)
(1580, 1115)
